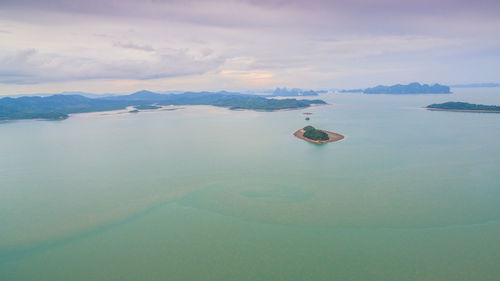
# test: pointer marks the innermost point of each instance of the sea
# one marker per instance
(206, 193)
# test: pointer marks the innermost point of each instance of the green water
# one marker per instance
(205, 193)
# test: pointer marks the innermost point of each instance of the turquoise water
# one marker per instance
(204, 193)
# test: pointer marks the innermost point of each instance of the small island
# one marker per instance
(465, 107)
(311, 134)
(146, 107)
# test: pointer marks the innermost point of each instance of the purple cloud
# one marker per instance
(315, 43)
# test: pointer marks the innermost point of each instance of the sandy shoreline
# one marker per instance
(333, 136)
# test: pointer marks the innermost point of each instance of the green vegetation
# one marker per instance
(54, 107)
(265, 104)
(315, 134)
(59, 106)
(465, 106)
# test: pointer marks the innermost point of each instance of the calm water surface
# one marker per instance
(204, 193)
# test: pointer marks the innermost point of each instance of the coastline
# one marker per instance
(333, 137)
(128, 109)
(461, 110)
(264, 110)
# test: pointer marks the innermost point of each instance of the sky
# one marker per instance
(99, 46)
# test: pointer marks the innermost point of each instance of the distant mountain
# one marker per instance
(59, 106)
(85, 94)
(295, 92)
(140, 95)
(476, 85)
(412, 88)
(352, 91)
(66, 93)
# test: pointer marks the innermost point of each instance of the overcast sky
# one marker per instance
(122, 46)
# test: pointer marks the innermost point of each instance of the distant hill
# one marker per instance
(53, 107)
(59, 106)
(66, 93)
(412, 88)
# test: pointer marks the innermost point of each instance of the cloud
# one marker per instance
(229, 11)
(31, 67)
(130, 45)
(309, 43)
(383, 16)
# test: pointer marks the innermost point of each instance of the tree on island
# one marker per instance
(453, 105)
(315, 134)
